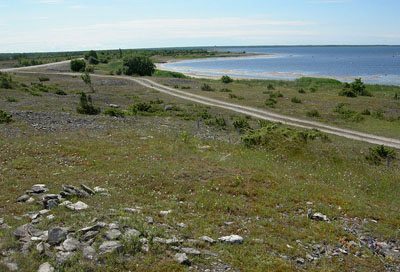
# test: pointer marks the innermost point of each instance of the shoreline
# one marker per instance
(216, 74)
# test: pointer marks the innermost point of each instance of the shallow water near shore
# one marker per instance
(374, 64)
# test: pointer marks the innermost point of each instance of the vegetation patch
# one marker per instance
(6, 81)
(296, 100)
(5, 117)
(163, 73)
(138, 65)
(207, 88)
(226, 79)
(114, 112)
(379, 153)
(354, 89)
(86, 105)
(77, 65)
(313, 113)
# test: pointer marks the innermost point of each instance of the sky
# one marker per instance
(72, 25)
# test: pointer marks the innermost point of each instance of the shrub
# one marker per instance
(11, 99)
(140, 107)
(162, 73)
(357, 87)
(377, 154)
(347, 92)
(366, 112)
(6, 81)
(157, 101)
(313, 113)
(274, 136)
(44, 78)
(204, 115)
(89, 69)
(302, 91)
(60, 92)
(396, 96)
(118, 72)
(5, 117)
(275, 94)
(93, 61)
(86, 105)
(87, 80)
(226, 79)
(77, 65)
(379, 114)
(140, 65)
(313, 89)
(232, 96)
(295, 100)
(207, 88)
(218, 122)
(185, 87)
(270, 102)
(114, 112)
(241, 124)
(270, 87)
(91, 54)
(225, 90)
(176, 86)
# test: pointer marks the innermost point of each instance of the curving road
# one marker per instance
(254, 112)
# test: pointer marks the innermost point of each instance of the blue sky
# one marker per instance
(59, 25)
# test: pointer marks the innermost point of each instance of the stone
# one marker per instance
(165, 212)
(113, 106)
(181, 225)
(30, 200)
(132, 210)
(190, 251)
(89, 253)
(110, 246)
(173, 241)
(40, 248)
(231, 239)
(130, 233)
(229, 223)
(63, 257)
(114, 225)
(71, 244)
(56, 236)
(78, 206)
(12, 266)
(208, 239)
(51, 204)
(45, 267)
(50, 217)
(26, 231)
(318, 217)
(1, 221)
(300, 261)
(43, 212)
(89, 235)
(149, 220)
(91, 228)
(112, 234)
(87, 189)
(100, 190)
(168, 107)
(23, 198)
(182, 258)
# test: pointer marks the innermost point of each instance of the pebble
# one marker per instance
(165, 212)
(208, 239)
(110, 246)
(78, 206)
(23, 198)
(45, 267)
(182, 258)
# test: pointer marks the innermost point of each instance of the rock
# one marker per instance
(87, 189)
(63, 257)
(209, 253)
(50, 204)
(43, 212)
(40, 248)
(232, 239)
(1, 221)
(319, 217)
(114, 225)
(190, 251)
(23, 198)
(51, 196)
(73, 191)
(130, 233)
(208, 239)
(56, 236)
(45, 267)
(168, 107)
(110, 246)
(71, 244)
(181, 225)
(26, 231)
(113, 106)
(50, 217)
(165, 212)
(89, 235)
(12, 266)
(300, 261)
(149, 220)
(132, 210)
(30, 200)
(100, 190)
(112, 234)
(173, 241)
(78, 206)
(182, 258)
(92, 228)
(229, 223)
(89, 253)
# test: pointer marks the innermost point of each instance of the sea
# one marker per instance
(374, 64)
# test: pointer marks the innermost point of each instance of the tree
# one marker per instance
(78, 65)
(140, 65)
(88, 81)
(226, 79)
(86, 105)
(93, 60)
(92, 54)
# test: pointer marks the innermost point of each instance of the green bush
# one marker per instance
(270, 102)
(86, 105)
(60, 92)
(276, 94)
(313, 113)
(377, 154)
(6, 81)
(396, 96)
(295, 100)
(140, 107)
(44, 78)
(157, 101)
(114, 112)
(11, 99)
(347, 92)
(270, 87)
(232, 96)
(379, 114)
(118, 72)
(301, 91)
(366, 112)
(140, 65)
(241, 124)
(218, 122)
(225, 90)
(185, 87)
(207, 88)
(226, 79)
(77, 65)
(91, 54)
(274, 136)
(5, 117)
(162, 73)
(357, 87)
(313, 89)
(93, 61)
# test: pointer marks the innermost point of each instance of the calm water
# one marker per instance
(376, 64)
